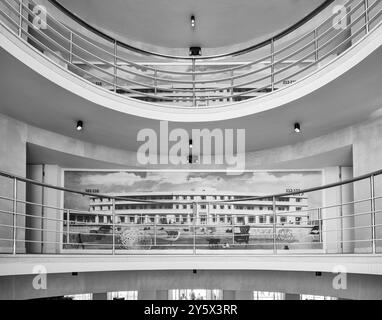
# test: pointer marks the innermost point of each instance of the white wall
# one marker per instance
(234, 283)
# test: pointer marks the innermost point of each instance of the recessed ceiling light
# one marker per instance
(297, 127)
(80, 125)
(193, 21)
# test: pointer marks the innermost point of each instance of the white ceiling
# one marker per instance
(166, 23)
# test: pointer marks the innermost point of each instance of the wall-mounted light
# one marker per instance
(190, 143)
(193, 22)
(80, 125)
(297, 127)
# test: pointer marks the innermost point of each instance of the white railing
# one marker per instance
(191, 80)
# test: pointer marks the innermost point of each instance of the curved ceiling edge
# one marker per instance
(246, 49)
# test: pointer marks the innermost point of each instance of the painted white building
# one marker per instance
(208, 208)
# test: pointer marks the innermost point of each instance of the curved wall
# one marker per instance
(358, 286)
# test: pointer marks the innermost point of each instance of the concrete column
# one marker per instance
(292, 296)
(162, 295)
(100, 296)
(53, 198)
(331, 197)
(347, 195)
(12, 160)
(367, 157)
(34, 220)
(229, 295)
(47, 240)
(147, 295)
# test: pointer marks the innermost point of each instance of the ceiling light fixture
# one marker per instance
(193, 21)
(80, 125)
(297, 127)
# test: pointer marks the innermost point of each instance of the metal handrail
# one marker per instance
(192, 92)
(224, 88)
(278, 195)
(196, 58)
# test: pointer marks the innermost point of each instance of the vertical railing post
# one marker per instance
(274, 224)
(155, 230)
(14, 246)
(232, 84)
(367, 15)
(115, 65)
(341, 220)
(315, 35)
(320, 236)
(372, 206)
(233, 230)
(71, 48)
(113, 224)
(194, 214)
(272, 64)
(67, 226)
(155, 82)
(21, 19)
(193, 83)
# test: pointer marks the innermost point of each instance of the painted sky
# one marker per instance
(256, 183)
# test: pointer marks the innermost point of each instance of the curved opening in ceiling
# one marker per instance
(221, 26)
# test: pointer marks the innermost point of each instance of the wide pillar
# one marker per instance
(347, 197)
(147, 295)
(12, 160)
(244, 295)
(228, 295)
(367, 157)
(34, 224)
(100, 296)
(45, 222)
(337, 213)
(292, 296)
(162, 295)
(331, 224)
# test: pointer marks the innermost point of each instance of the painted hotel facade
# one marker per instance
(207, 207)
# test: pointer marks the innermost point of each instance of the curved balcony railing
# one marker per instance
(157, 225)
(193, 80)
